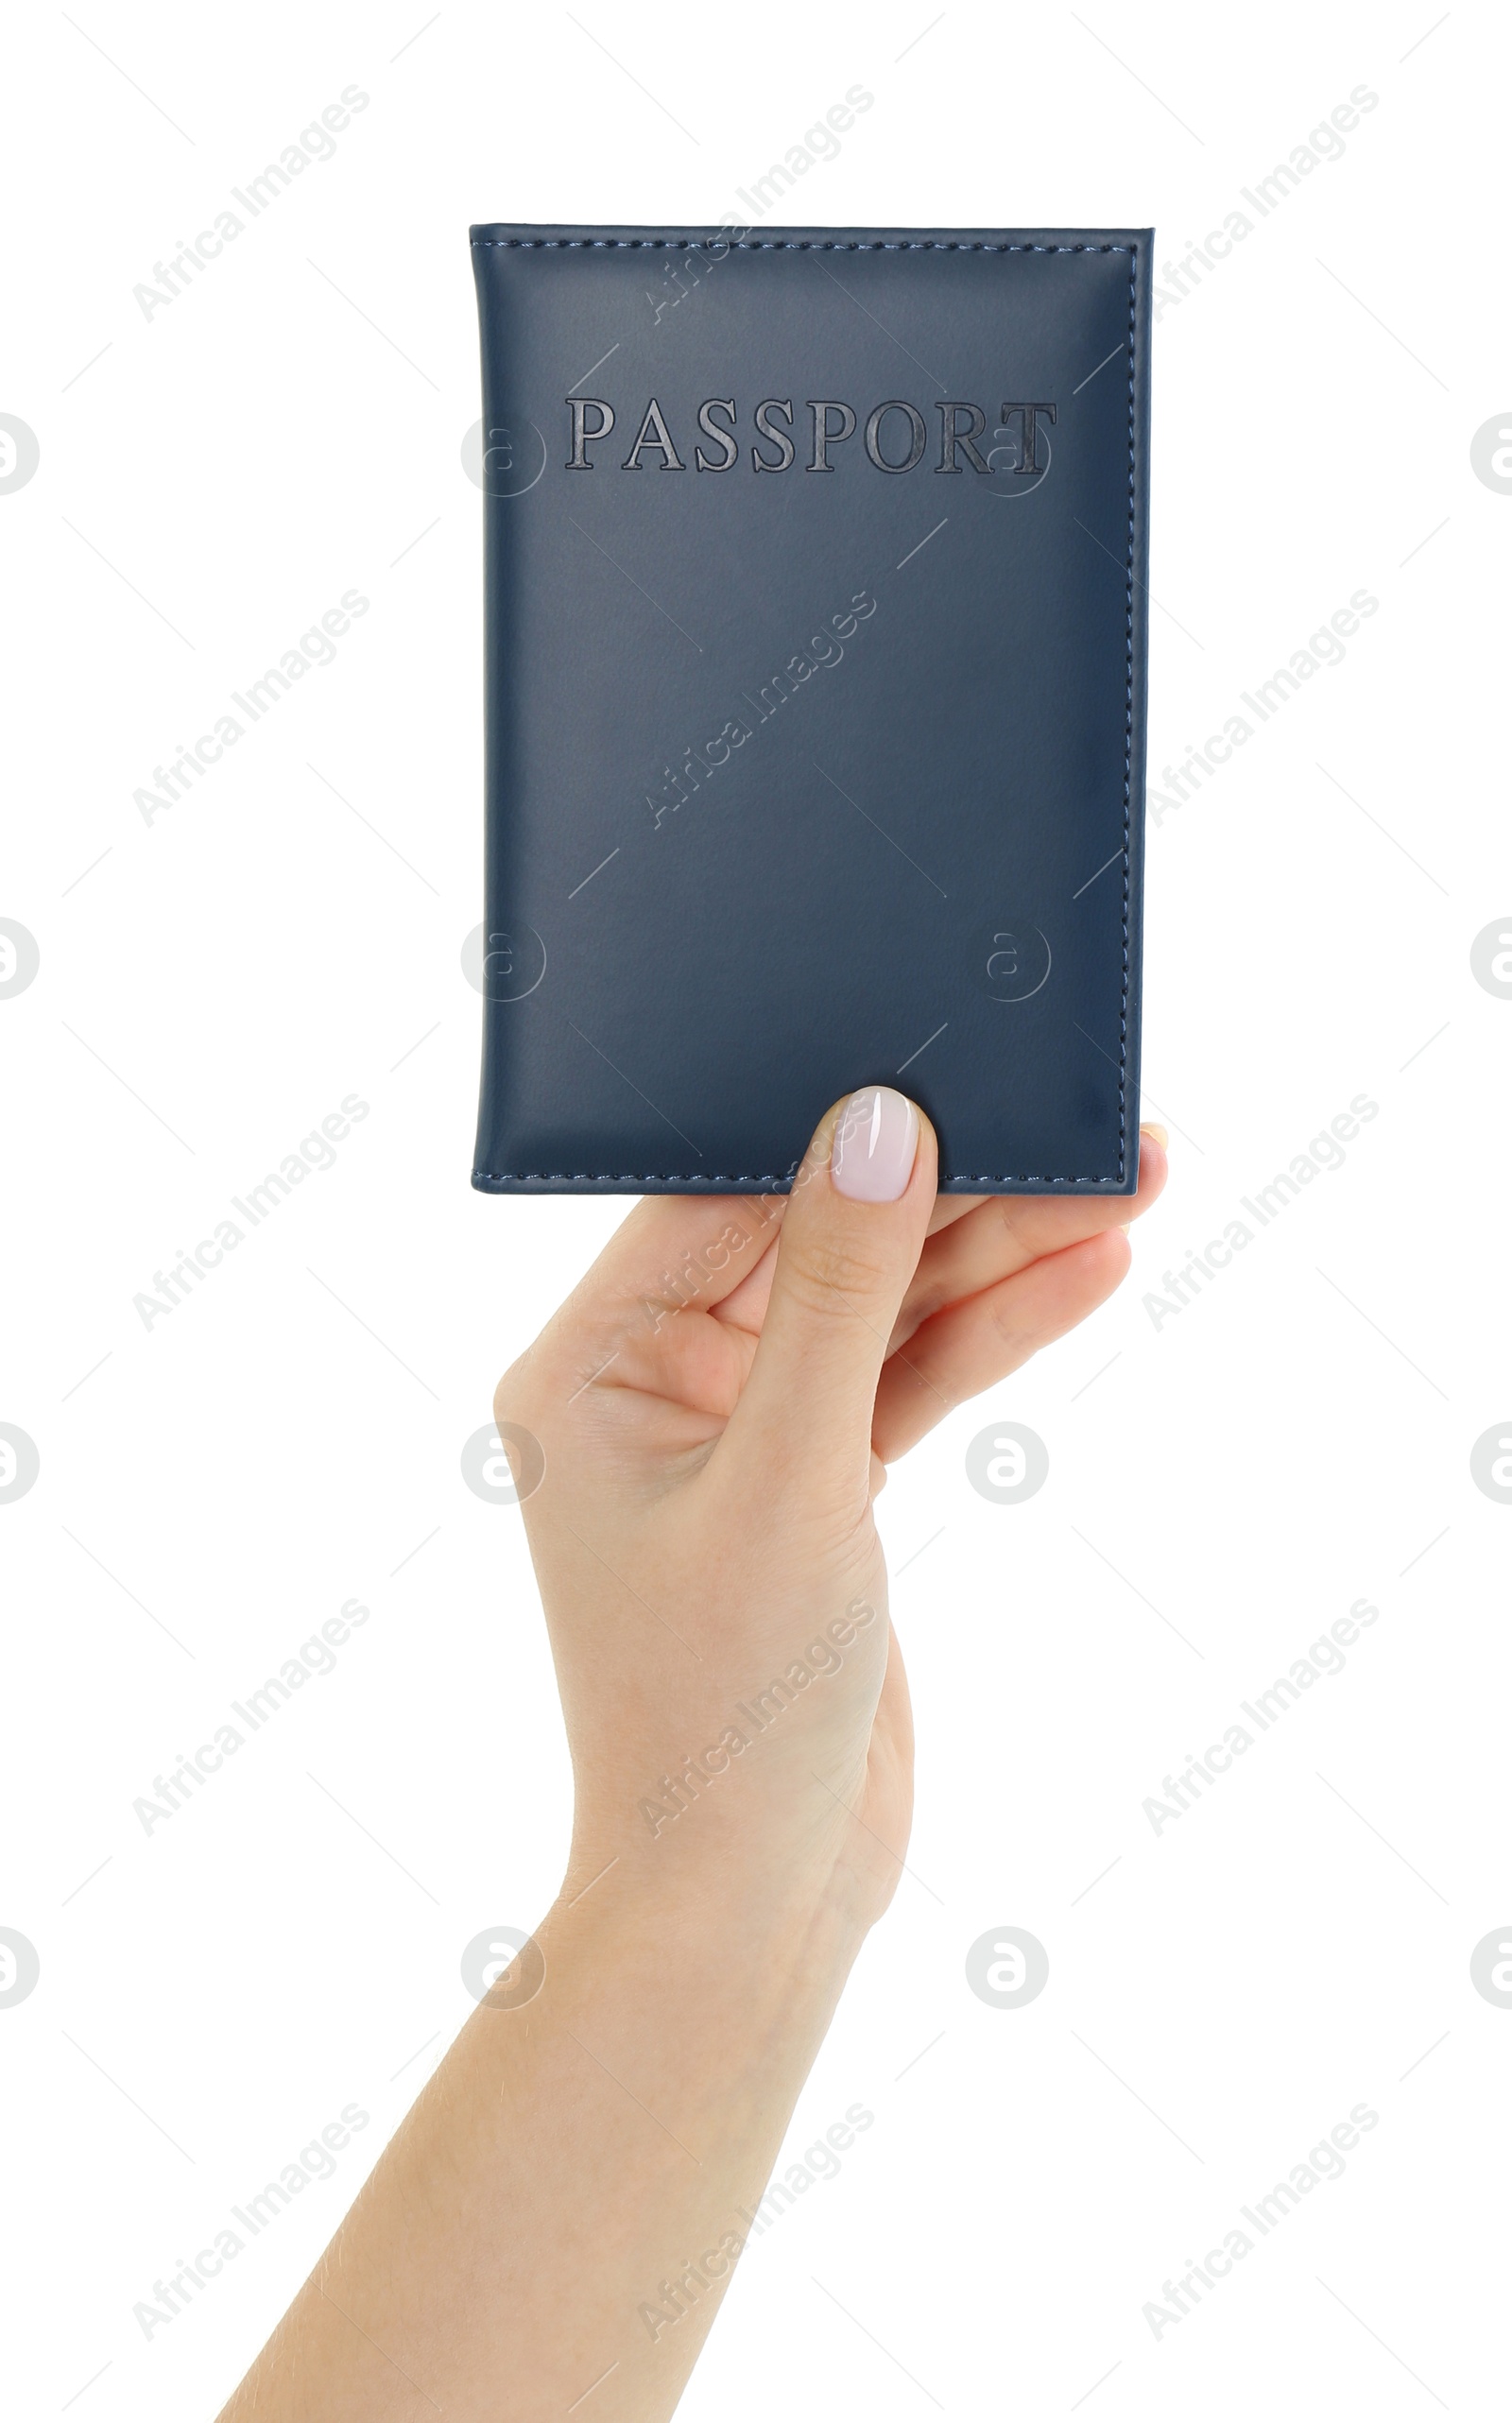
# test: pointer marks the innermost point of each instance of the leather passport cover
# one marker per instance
(814, 653)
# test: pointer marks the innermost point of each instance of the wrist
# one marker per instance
(774, 1931)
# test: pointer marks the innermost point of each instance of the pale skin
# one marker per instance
(552, 2228)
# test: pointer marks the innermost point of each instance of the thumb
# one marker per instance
(852, 1235)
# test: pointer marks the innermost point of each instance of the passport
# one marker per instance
(814, 663)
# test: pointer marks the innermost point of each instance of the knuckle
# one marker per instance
(1011, 1332)
(826, 1273)
(512, 1398)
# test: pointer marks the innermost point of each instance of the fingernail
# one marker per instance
(875, 1139)
(1149, 1129)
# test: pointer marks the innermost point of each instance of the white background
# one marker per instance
(210, 986)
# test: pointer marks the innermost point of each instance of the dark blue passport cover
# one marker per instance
(816, 651)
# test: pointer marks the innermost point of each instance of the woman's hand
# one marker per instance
(551, 2229)
(717, 1404)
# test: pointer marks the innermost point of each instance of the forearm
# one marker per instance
(572, 2162)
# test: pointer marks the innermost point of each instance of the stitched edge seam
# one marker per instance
(806, 244)
(791, 244)
(747, 1178)
(1128, 741)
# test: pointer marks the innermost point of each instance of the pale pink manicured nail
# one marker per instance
(875, 1139)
